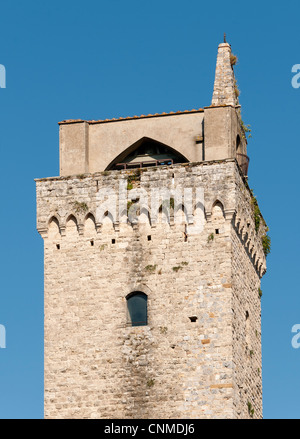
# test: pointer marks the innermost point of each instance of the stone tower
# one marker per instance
(153, 260)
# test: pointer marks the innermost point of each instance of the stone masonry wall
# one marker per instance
(248, 266)
(96, 364)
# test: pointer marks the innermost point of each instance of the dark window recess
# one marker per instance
(145, 153)
(217, 231)
(113, 241)
(58, 246)
(149, 237)
(137, 308)
(193, 318)
(238, 141)
(92, 243)
(185, 234)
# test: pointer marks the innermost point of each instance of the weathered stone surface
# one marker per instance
(96, 365)
(225, 86)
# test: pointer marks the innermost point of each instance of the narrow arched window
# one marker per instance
(137, 308)
(238, 142)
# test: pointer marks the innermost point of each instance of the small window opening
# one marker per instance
(92, 243)
(247, 332)
(217, 231)
(137, 308)
(113, 241)
(193, 318)
(58, 246)
(238, 141)
(149, 237)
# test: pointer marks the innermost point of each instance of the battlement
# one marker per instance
(76, 197)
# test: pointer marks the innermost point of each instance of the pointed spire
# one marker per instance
(225, 90)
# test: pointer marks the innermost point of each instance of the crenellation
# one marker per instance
(244, 225)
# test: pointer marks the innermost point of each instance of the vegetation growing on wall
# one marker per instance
(233, 59)
(135, 176)
(250, 409)
(258, 220)
(256, 212)
(246, 130)
(266, 243)
(80, 207)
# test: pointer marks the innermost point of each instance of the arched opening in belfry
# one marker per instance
(242, 158)
(144, 153)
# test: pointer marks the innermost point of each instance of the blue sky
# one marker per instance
(95, 60)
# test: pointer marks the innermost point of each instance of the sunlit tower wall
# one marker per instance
(153, 257)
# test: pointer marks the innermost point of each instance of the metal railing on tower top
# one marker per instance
(243, 161)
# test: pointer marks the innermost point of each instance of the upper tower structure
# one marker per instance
(153, 260)
(205, 134)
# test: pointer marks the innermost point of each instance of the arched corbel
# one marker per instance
(229, 214)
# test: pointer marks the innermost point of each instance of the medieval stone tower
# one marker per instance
(153, 260)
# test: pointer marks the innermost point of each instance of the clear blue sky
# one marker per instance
(99, 59)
